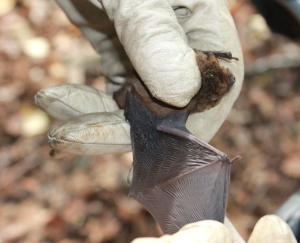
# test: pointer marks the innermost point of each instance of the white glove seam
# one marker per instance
(106, 144)
(60, 101)
(103, 124)
(105, 103)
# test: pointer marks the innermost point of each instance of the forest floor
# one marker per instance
(84, 199)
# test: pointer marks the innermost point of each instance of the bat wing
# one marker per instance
(178, 178)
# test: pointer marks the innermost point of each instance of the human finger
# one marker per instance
(157, 47)
(66, 101)
(272, 229)
(92, 134)
(207, 231)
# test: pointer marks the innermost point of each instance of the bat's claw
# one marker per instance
(235, 159)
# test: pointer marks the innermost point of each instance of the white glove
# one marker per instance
(158, 36)
(97, 125)
(269, 229)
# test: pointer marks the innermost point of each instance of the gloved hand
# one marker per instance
(158, 37)
(269, 229)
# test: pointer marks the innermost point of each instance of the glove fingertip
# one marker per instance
(272, 229)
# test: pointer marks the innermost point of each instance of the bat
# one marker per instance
(178, 178)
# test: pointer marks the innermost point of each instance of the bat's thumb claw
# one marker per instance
(235, 159)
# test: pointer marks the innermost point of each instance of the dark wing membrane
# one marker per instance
(162, 155)
(177, 177)
(218, 199)
(188, 198)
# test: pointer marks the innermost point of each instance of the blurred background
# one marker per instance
(84, 199)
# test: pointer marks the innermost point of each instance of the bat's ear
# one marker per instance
(231, 82)
(212, 97)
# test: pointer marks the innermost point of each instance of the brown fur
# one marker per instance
(216, 82)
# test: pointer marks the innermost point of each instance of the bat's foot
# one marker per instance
(221, 54)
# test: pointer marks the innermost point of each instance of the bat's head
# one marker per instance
(216, 82)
